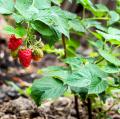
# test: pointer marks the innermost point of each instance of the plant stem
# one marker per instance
(99, 18)
(97, 62)
(64, 45)
(77, 106)
(89, 108)
(83, 14)
(75, 96)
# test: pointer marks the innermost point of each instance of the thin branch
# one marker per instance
(97, 62)
(89, 108)
(77, 106)
(75, 97)
(64, 45)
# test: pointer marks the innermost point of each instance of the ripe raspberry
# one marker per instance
(37, 55)
(25, 57)
(14, 42)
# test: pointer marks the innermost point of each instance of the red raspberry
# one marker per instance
(14, 42)
(25, 57)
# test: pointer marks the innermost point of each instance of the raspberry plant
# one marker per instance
(86, 77)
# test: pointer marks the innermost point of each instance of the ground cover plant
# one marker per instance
(87, 77)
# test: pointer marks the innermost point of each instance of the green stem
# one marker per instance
(83, 14)
(97, 62)
(99, 18)
(75, 97)
(64, 45)
(27, 39)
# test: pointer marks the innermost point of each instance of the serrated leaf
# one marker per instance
(26, 9)
(56, 72)
(18, 18)
(109, 57)
(42, 28)
(51, 69)
(114, 39)
(19, 31)
(111, 69)
(22, 5)
(88, 23)
(114, 31)
(42, 4)
(47, 88)
(9, 30)
(102, 7)
(54, 18)
(96, 71)
(114, 17)
(83, 76)
(81, 91)
(77, 80)
(51, 40)
(74, 62)
(6, 6)
(76, 25)
(97, 85)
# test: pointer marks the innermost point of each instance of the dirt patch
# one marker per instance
(20, 108)
(23, 108)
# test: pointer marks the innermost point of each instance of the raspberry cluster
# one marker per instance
(25, 55)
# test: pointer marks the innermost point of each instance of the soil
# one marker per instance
(16, 106)
(24, 108)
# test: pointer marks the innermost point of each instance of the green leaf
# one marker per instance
(57, 2)
(22, 5)
(51, 40)
(77, 80)
(111, 69)
(42, 4)
(71, 46)
(88, 23)
(81, 91)
(83, 76)
(109, 57)
(102, 7)
(42, 28)
(56, 72)
(98, 44)
(47, 88)
(114, 31)
(9, 29)
(18, 18)
(114, 17)
(51, 69)
(26, 9)
(87, 4)
(95, 71)
(19, 31)
(76, 25)
(6, 6)
(55, 18)
(97, 85)
(74, 62)
(114, 39)
(52, 49)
